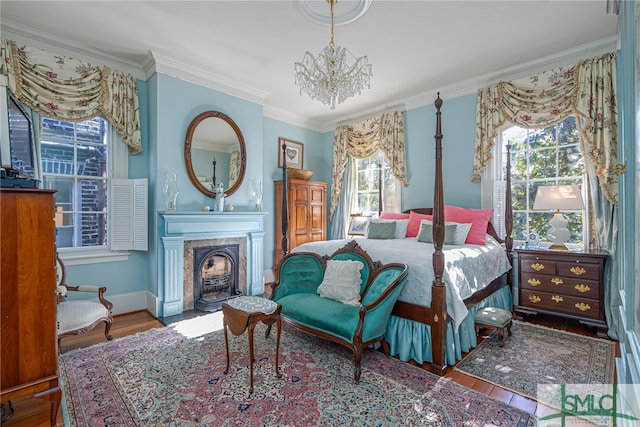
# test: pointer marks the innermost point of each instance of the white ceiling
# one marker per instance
(248, 48)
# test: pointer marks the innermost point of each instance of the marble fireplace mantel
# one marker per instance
(177, 227)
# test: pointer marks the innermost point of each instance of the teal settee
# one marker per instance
(297, 279)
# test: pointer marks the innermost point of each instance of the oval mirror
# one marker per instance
(214, 152)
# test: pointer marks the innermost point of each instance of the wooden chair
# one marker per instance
(76, 317)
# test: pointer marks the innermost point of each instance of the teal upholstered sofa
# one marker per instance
(355, 324)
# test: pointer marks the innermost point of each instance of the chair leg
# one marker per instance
(107, 329)
(357, 361)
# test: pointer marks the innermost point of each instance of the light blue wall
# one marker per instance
(315, 159)
(130, 276)
(458, 127)
(169, 104)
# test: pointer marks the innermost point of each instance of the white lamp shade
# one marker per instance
(558, 197)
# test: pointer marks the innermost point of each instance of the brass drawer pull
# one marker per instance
(557, 281)
(578, 271)
(534, 298)
(533, 282)
(537, 266)
(582, 306)
(557, 298)
(583, 288)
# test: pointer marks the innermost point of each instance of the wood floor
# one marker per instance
(30, 412)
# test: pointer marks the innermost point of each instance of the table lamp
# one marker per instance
(557, 198)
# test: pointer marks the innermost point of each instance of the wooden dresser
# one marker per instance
(28, 339)
(568, 284)
(307, 201)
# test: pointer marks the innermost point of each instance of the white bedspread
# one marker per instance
(468, 268)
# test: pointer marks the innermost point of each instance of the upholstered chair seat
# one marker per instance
(81, 315)
(76, 317)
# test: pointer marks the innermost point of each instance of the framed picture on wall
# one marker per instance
(294, 153)
(358, 224)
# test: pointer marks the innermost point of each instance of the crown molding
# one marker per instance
(294, 119)
(155, 62)
(72, 49)
(159, 63)
(471, 86)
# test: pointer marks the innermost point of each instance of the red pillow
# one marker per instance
(414, 223)
(478, 218)
(393, 215)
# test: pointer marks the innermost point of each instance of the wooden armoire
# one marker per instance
(28, 301)
(307, 201)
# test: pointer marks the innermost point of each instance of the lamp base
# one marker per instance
(556, 247)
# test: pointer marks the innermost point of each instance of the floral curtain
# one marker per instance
(363, 139)
(72, 90)
(586, 90)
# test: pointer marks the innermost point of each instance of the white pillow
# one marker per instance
(461, 230)
(401, 227)
(342, 281)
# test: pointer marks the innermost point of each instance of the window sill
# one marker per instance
(91, 256)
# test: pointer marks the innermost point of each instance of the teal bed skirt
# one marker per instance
(412, 340)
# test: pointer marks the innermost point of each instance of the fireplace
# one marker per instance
(214, 271)
(181, 233)
(215, 276)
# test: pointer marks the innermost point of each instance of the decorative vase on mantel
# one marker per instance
(255, 195)
(170, 192)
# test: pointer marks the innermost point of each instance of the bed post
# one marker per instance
(508, 217)
(438, 292)
(285, 204)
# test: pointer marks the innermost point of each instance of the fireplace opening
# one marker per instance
(215, 276)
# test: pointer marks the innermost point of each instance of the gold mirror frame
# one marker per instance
(188, 146)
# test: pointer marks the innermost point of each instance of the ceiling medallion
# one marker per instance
(316, 12)
(328, 77)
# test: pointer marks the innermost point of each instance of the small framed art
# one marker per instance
(294, 153)
(358, 224)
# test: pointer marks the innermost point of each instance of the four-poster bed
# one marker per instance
(430, 331)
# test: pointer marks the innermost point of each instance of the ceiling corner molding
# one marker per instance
(166, 65)
(149, 65)
(28, 36)
(293, 119)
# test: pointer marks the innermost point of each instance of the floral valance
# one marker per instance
(68, 89)
(362, 140)
(586, 90)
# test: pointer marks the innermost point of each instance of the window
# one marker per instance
(75, 162)
(372, 173)
(82, 161)
(549, 156)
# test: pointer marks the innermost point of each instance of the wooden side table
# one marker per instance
(246, 312)
(563, 283)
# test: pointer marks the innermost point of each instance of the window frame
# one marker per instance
(118, 167)
(492, 193)
(397, 187)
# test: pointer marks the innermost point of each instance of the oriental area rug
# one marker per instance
(536, 355)
(173, 376)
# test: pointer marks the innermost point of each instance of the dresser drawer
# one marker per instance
(579, 269)
(582, 307)
(532, 264)
(561, 285)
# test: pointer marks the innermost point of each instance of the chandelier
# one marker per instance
(328, 77)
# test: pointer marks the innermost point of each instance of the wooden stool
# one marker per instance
(494, 318)
(247, 311)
